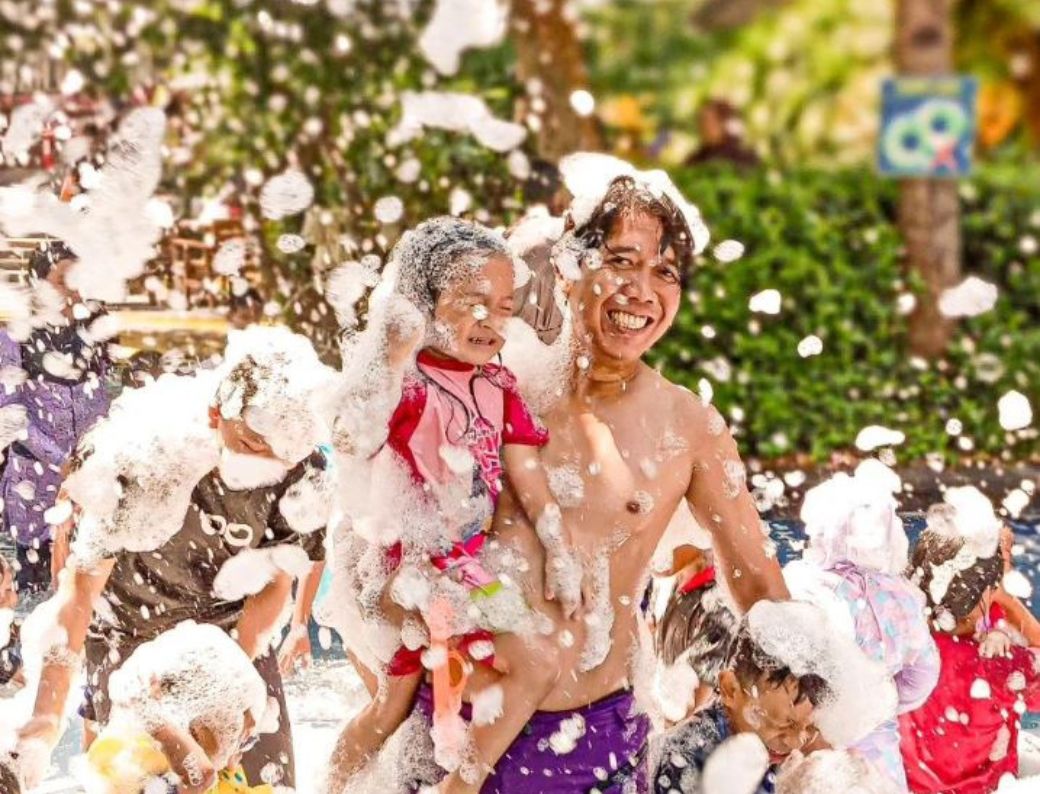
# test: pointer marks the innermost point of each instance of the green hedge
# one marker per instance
(827, 242)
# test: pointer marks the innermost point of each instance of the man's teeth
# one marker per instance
(629, 322)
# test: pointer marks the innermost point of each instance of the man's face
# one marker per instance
(56, 278)
(470, 315)
(771, 713)
(628, 303)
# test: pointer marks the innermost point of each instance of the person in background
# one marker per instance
(1017, 615)
(758, 694)
(10, 652)
(856, 559)
(63, 393)
(697, 627)
(722, 136)
(964, 738)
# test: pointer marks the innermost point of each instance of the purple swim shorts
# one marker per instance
(600, 748)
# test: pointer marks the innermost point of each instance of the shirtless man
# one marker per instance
(640, 445)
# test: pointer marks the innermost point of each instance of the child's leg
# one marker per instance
(532, 662)
(371, 727)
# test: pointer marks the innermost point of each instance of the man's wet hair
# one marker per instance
(625, 198)
(752, 666)
(700, 627)
(965, 590)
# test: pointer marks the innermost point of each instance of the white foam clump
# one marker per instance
(800, 636)
(146, 458)
(250, 570)
(288, 193)
(588, 175)
(110, 227)
(737, 766)
(830, 772)
(455, 112)
(292, 404)
(970, 298)
(388, 209)
(1017, 584)
(14, 424)
(1014, 411)
(853, 519)
(230, 257)
(458, 25)
(193, 673)
(346, 285)
(565, 738)
(873, 436)
(768, 301)
(542, 371)
(6, 619)
(966, 513)
(487, 705)
(811, 345)
(26, 125)
(728, 251)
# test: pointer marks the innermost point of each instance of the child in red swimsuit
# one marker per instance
(460, 425)
(964, 739)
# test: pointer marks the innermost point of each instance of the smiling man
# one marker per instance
(626, 447)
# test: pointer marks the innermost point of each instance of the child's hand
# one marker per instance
(405, 331)
(296, 650)
(995, 643)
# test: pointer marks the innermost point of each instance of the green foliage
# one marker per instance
(827, 242)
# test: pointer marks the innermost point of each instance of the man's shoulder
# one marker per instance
(685, 406)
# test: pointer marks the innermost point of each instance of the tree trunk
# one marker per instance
(929, 210)
(551, 64)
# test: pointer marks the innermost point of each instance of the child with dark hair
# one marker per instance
(964, 739)
(758, 694)
(697, 629)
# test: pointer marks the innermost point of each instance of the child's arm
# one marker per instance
(297, 645)
(187, 759)
(73, 608)
(563, 572)
(1019, 617)
(260, 615)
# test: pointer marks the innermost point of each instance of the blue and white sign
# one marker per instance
(927, 126)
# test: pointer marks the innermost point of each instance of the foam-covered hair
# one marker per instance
(436, 252)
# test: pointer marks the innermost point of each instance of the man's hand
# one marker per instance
(60, 548)
(564, 581)
(295, 650)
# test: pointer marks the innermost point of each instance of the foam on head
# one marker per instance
(190, 675)
(438, 253)
(853, 519)
(800, 637)
(273, 380)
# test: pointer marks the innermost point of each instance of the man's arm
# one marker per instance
(261, 613)
(73, 610)
(720, 501)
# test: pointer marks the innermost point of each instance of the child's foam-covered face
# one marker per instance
(470, 315)
(771, 712)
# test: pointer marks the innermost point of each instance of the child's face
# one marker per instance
(470, 315)
(771, 713)
(239, 437)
